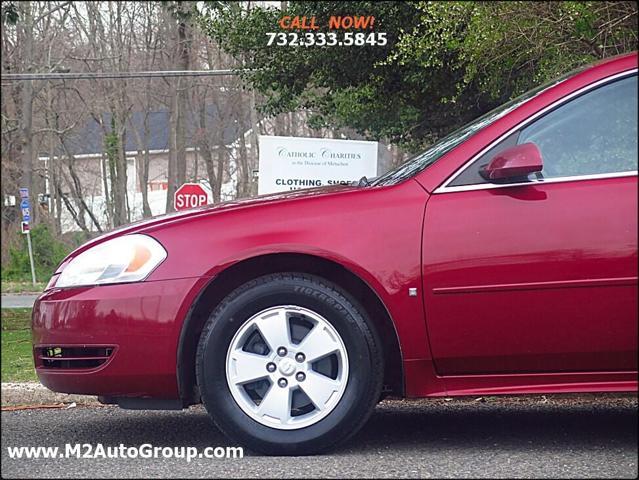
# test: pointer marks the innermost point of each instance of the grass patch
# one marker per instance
(16, 319)
(17, 356)
(17, 359)
(22, 287)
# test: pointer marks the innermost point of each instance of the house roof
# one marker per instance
(89, 137)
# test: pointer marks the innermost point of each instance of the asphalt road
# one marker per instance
(18, 300)
(560, 438)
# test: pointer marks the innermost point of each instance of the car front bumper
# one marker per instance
(116, 340)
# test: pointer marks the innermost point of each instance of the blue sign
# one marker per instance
(24, 193)
(26, 217)
(24, 203)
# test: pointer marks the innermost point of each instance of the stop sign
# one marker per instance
(190, 195)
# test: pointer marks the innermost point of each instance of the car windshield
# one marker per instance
(422, 160)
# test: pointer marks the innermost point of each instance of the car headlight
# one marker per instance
(129, 258)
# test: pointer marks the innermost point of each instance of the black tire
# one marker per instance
(362, 345)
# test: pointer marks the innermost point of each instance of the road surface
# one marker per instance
(519, 437)
(18, 300)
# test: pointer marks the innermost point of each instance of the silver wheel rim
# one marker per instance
(280, 352)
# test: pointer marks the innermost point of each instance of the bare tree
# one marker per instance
(26, 111)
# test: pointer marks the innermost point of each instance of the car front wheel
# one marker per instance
(287, 364)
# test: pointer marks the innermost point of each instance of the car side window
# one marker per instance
(592, 134)
(595, 133)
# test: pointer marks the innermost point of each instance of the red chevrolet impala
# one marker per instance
(501, 260)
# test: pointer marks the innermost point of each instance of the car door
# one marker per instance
(540, 275)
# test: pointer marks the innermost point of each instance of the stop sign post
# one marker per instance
(190, 195)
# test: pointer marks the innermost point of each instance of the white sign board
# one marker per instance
(292, 163)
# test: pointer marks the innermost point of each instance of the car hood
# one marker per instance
(255, 202)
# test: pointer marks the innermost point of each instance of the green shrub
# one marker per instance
(48, 252)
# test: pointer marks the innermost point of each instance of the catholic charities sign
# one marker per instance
(292, 163)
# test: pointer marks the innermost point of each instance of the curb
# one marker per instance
(33, 393)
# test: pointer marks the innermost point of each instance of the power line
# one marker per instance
(100, 75)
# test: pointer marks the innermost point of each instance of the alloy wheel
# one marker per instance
(287, 367)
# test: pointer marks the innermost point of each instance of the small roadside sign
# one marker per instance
(25, 209)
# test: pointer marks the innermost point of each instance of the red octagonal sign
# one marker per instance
(190, 195)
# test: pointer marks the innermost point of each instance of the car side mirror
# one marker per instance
(517, 161)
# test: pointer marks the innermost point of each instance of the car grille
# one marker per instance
(75, 358)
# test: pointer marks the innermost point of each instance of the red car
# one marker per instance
(502, 260)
